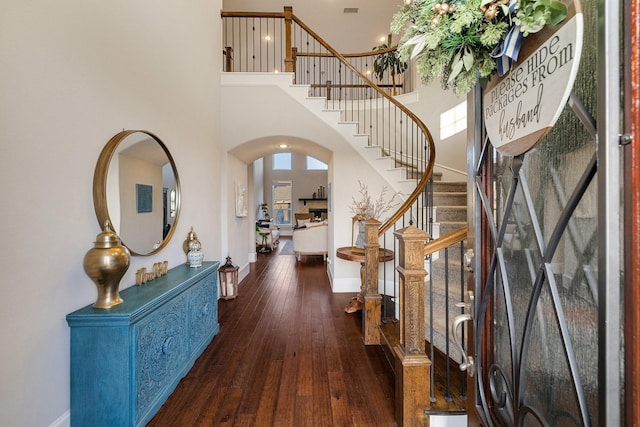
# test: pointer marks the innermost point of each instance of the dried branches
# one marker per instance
(366, 208)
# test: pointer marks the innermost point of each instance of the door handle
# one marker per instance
(467, 361)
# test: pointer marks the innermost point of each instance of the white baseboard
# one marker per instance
(345, 285)
(243, 272)
(448, 420)
(63, 420)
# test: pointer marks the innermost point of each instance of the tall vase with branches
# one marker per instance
(366, 208)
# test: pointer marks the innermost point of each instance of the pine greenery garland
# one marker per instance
(454, 43)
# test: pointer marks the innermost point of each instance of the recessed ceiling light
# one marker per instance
(383, 39)
(283, 145)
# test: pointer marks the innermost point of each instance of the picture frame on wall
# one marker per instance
(144, 198)
(241, 200)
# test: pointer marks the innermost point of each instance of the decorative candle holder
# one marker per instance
(105, 264)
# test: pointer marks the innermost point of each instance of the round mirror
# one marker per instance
(136, 188)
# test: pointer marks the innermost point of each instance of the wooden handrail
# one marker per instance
(349, 55)
(347, 86)
(224, 14)
(445, 241)
(431, 145)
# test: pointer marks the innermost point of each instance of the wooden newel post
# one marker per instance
(412, 363)
(228, 54)
(288, 60)
(371, 313)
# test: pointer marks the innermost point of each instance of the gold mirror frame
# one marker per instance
(100, 185)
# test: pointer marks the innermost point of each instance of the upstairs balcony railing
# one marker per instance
(257, 42)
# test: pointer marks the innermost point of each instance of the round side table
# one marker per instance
(351, 253)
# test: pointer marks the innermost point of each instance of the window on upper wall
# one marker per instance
(453, 121)
(314, 164)
(282, 161)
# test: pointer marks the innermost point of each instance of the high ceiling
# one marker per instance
(347, 32)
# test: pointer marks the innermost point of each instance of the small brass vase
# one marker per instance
(105, 264)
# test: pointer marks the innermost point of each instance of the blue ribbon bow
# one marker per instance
(506, 52)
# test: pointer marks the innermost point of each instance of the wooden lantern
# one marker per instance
(228, 280)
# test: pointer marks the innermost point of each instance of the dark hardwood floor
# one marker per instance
(286, 355)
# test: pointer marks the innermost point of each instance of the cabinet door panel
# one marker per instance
(203, 313)
(161, 351)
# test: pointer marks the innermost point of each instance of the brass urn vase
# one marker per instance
(105, 264)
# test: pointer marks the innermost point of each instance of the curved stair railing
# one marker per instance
(273, 42)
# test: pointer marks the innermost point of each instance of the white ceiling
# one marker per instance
(346, 32)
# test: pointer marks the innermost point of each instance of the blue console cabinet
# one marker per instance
(126, 360)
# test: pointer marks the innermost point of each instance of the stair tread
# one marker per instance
(457, 193)
(461, 223)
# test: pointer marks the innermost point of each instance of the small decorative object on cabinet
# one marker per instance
(191, 235)
(105, 264)
(228, 280)
(125, 362)
(195, 255)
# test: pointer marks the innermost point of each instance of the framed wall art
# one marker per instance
(144, 198)
(241, 200)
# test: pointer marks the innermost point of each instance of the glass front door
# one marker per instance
(544, 308)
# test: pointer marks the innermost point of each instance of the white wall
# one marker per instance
(428, 102)
(74, 73)
(254, 103)
(239, 229)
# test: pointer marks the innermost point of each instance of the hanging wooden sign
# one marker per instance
(520, 107)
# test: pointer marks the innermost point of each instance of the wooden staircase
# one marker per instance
(449, 199)
(400, 147)
(448, 386)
